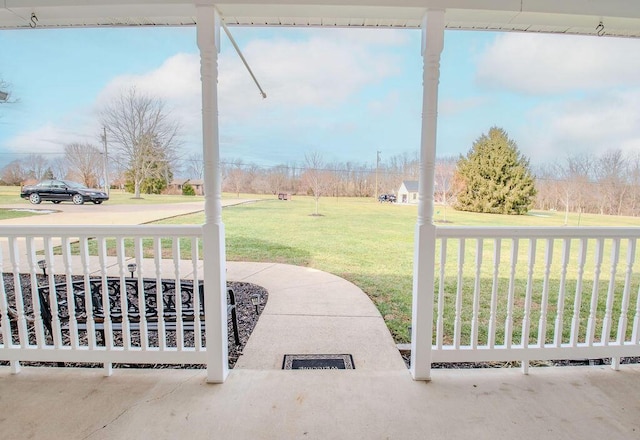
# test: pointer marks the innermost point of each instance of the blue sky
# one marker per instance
(342, 92)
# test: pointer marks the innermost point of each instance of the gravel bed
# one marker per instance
(245, 311)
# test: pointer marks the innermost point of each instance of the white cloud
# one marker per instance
(50, 138)
(314, 72)
(304, 74)
(588, 125)
(542, 64)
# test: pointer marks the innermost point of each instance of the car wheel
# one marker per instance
(78, 199)
(35, 198)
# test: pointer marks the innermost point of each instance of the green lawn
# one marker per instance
(371, 245)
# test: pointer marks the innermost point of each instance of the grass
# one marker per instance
(6, 214)
(371, 245)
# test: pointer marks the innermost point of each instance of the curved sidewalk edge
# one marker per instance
(313, 312)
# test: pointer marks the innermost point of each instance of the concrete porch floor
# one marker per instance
(314, 312)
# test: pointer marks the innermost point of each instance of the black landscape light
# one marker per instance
(131, 267)
(42, 264)
(255, 300)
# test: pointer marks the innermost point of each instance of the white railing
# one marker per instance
(524, 294)
(99, 255)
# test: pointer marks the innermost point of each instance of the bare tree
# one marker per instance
(195, 166)
(14, 173)
(445, 182)
(234, 177)
(60, 168)
(613, 185)
(315, 177)
(142, 133)
(85, 163)
(277, 178)
(36, 166)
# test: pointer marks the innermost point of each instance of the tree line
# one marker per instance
(492, 177)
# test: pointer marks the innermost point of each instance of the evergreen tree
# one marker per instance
(496, 176)
(187, 190)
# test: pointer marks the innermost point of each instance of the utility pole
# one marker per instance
(106, 160)
(377, 167)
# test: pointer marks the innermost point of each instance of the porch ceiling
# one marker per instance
(619, 17)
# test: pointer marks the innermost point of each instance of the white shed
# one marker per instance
(408, 192)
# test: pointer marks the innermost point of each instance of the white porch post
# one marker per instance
(214, 261)
(425, 242)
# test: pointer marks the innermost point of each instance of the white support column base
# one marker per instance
(215, 286)
(107, 369)
(15, 367)
(422, 304)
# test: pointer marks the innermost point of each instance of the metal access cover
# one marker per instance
(318, 362)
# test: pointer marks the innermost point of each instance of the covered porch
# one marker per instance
(615, 336)
(378, 399)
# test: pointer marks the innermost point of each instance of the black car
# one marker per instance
(390, 198)
(57, 191)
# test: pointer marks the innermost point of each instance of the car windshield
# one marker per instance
(74, 184)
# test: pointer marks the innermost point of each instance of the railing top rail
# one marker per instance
(102, 230)
(536, 232)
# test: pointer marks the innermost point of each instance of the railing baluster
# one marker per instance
(508, 326)
(607, 320)
(176, 268)
(476, 295)
(17, 292)
(497, 243)
(68, 270)
(53, 294)
(197, 322)
(440, 319)
(5, 323)
(558, 331)
(458, 318)
(577, 301)
(593, 309)
(124, 297)
(157, 259)
(624, 306)
(142, 303)
(526, 319)
(107, 334)
(635, 334)
(88, 299)
(542, 323)
(35, 297)
(624, 309)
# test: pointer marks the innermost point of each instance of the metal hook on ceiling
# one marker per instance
(600, 29)
(34, 21)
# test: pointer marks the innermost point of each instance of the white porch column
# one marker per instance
(214, 258)
(425, 242)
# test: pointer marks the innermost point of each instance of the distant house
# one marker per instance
(408, 192)
(175, 187)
